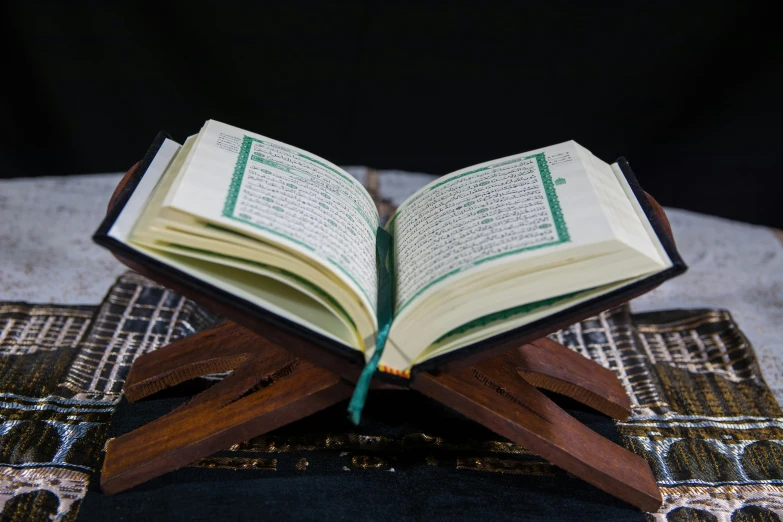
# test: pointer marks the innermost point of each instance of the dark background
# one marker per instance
(689, 95)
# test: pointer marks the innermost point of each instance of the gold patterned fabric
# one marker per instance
(702, 415)
(61, 375)
(712, 431)
(39, 428)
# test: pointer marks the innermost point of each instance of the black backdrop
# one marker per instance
(689, 96)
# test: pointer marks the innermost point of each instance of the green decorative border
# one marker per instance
(554, 206)
(504, 315)
(236, 179)
(239, 174)
(551, 196)
(233, 195)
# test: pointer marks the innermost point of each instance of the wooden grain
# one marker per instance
(222, 416)
(493, 395)
(547, 364)
(661, 215)
(122, 184)
(221, 348)
(217, 349)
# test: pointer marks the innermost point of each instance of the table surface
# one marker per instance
(47, 256)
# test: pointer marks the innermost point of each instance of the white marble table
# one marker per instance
(47, 256)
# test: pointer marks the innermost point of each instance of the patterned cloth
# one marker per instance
(61, 374)
(702, 415)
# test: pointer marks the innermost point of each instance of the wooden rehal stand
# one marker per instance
(278, 379)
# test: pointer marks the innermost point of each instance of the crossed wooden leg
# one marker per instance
(270, 388)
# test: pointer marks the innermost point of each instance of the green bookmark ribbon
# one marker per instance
(383, 247)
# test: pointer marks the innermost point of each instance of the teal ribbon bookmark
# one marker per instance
(383, 247)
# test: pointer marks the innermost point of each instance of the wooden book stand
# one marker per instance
(278, 378)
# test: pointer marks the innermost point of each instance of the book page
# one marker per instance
(512, 206)
(274, 295)
(501, 236)
(276, 192)
(619, 207)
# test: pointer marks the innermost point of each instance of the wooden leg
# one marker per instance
(266, 392)
(270, 387)
(492, 394)
(550, 365)
(218, 349)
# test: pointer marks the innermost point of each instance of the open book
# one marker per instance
(490, 249)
